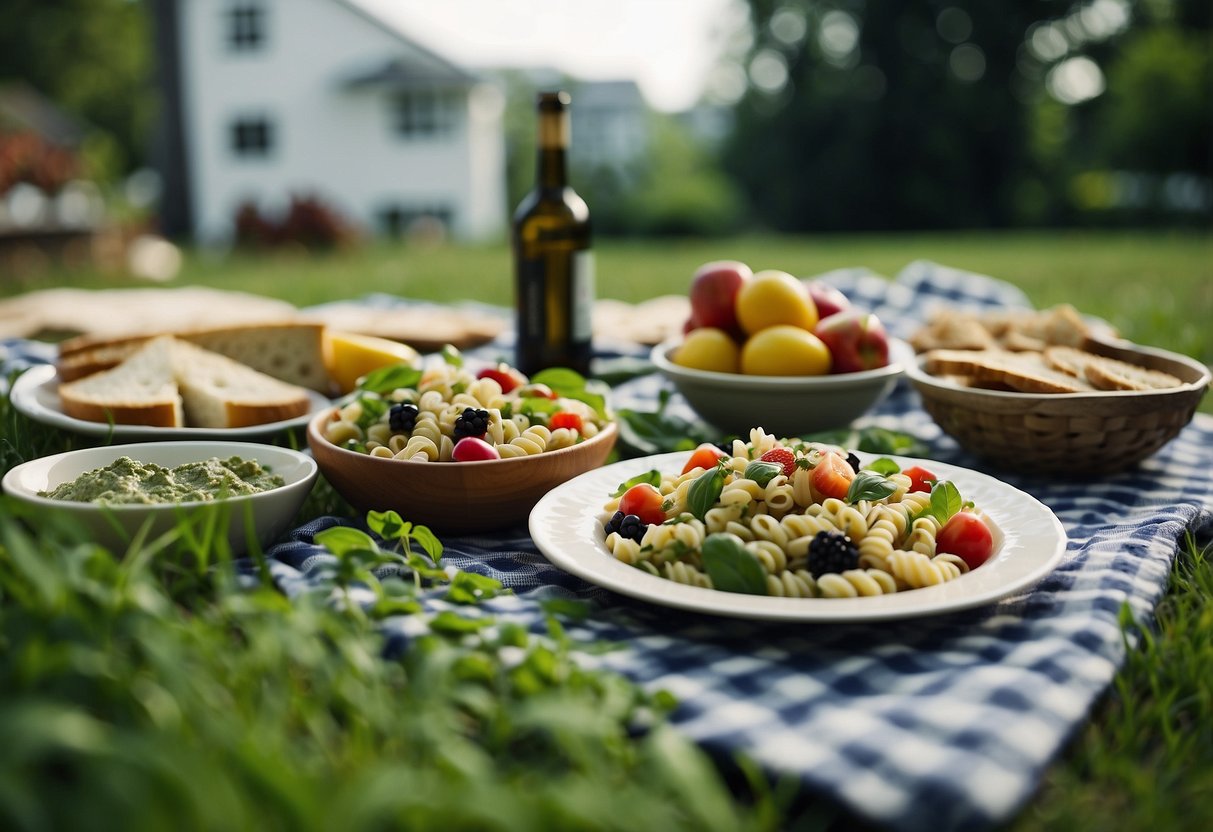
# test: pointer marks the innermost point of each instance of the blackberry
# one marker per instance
(471, 422)
(628, 525)
(832, 552)
(853, 461)
(402, 418)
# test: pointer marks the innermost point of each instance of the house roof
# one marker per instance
(421, 67)
(25, 108)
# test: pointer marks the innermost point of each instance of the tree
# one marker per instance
(93, 59)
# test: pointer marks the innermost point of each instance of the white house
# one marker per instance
(266, 99)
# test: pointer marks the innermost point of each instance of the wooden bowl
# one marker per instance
(453, 497)
(1068, 433)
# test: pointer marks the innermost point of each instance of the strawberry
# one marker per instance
(781, 456)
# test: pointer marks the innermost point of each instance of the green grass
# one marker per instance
(1143, 760)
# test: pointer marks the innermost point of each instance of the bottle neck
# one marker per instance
(551, 169)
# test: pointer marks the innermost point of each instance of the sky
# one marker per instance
(668, 47)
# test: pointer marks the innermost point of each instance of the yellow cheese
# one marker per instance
(349, 356)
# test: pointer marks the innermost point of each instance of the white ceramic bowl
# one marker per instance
(782, 405)
(264, 515)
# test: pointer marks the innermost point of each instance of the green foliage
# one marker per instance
(123, 706)
(94, 59)
(1145, 759)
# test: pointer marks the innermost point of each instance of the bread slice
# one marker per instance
(219, 392)
(142, 390)
(1025, 372)
(1106, 373)
(291, 351)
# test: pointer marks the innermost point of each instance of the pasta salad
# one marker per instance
(794, 518)
(444, 412)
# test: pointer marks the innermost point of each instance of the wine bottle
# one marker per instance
(553, 262)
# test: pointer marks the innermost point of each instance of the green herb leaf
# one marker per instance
(869, 485)
(372, 408)
(470, 588)
(872, 440)
(390, 378)
(428, 541)
(562, 380)
(343, 540)
(645, 433)
(387, 524)
(705, 491)
(451, 355)
(884, 466)
(652, 477)
(452, 623)
(731, 567)
(570, 608)
(762, 472)
(945, 500)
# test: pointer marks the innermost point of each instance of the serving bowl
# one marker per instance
(1067, 433)
(453, 497)
(782, 405)
(260, 517)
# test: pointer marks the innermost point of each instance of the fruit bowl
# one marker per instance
(261, 517)
(782, 405)
(453, 497)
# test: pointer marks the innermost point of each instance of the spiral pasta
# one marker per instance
(880, 538)
(423, 420)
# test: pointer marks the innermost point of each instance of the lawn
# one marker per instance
(1145, 757)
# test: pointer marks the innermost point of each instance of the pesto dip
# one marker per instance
(125, 481)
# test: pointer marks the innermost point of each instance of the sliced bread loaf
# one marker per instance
(286, 350)
(142, 390)
(219, 392)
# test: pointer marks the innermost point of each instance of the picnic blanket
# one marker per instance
(941, 722)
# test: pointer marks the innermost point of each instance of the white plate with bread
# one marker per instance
(36, 395)
(240, 382)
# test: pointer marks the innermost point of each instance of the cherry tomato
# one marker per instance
(920, 478)
(644, 501)
(473, 449)
(565, 419)
(705, 457)
(505, 375)
(967, 536)
(832, 476)
(536, 390)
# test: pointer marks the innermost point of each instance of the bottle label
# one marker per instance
(583, 295)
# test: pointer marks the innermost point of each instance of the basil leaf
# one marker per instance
(762, 472)
(451, 355)
(342, 540)
(392, 377)
(562, 380)
(704, 492)
(387, 524)
(652, 432)
(731, 567)
(884, 466)
(372, 408)
(868, 485)
(652, 477)
(872, 440)
(428, 541)
(945, 500)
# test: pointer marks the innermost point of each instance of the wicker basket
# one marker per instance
(1071, 433)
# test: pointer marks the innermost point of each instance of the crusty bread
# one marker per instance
(142, 390)
(219, 392)
(290, 351)
(172, 383)
(1105, 373)
(1025, 372)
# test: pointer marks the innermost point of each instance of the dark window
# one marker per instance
(425, 114)
(252, 137)
(245, 27)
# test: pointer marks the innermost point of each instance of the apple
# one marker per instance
(828, 299)
(857, 341)
(714, 289)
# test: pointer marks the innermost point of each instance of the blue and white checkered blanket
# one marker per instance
(944, 722)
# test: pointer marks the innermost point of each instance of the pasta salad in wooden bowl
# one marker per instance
(457, 450)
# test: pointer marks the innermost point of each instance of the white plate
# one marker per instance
(1029, 542)
(35, 394)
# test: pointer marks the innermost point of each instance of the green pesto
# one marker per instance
(125, 481)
